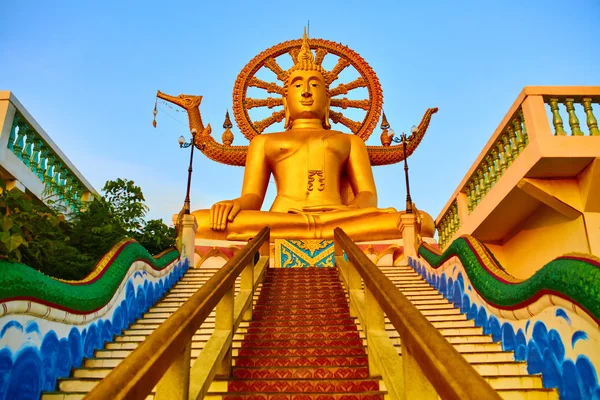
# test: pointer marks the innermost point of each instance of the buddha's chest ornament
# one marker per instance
(316, 164)
(319, 176)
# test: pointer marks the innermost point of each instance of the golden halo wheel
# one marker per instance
(268, 59)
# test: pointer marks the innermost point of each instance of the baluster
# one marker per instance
(514, 149)
(573, 120)
(456, 221)
(55, 179)
(450, 222)
(482, 191)
(523, 127)
(13, 133)
(489, 159)
(477, 197)
(27, 147)
(43, 165)
(49, 171)
(60, 182)
(556, 118)
(73, 196)
(35, 156)
(456, 217)
(501, 157)
(486, 175)
(518, 135)
(68, 194)
(470, 196)
(445, 229)
(592, 123)
(507, 150)
(20, 142)
(77, 193)
(66, 186)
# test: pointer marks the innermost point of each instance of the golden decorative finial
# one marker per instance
(227, 124)
(227, 136)
(384, 122)
(305, 61)
(386, 137)
(305, 55)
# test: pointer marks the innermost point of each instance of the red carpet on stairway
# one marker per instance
(302, 343)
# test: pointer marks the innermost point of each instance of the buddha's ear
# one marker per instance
(287, 123)
(326, 123)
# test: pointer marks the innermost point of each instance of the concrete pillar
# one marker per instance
(188, 237)
(7, 114)
(409, 234)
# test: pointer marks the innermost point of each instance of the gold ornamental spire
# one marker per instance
(305, 61)
(305, 55)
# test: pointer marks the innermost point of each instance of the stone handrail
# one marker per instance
(29, 155)
(163, 359)
(525, 125)
(430, 367)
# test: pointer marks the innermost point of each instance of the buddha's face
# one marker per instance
(306, 95)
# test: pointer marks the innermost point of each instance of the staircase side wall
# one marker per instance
(40, 342)
(554, 335)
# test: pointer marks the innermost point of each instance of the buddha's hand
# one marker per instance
(329, 207)
(223, 212)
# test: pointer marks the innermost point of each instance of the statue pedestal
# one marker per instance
(409, 234)
(188, 237)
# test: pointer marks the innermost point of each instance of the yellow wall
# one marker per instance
(545, 235)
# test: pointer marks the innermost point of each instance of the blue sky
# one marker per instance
(89, 71)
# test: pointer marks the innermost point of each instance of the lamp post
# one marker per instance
(184, 145)
(404, 140)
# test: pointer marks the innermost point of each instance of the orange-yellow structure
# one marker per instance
(533, 193)
(323, 177)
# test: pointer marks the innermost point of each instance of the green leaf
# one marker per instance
(13, 242)
(6, 222)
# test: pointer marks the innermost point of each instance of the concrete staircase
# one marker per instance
(83, 379)
(510, 378)
(301, 343)
(498, 367)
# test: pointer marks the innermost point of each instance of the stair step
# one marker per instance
(320, 372)
(80, 395)
(281, 361)
(380, 395)
(515, 382)
(303, 385)
(528, 394)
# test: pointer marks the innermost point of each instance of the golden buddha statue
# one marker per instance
(323, 177)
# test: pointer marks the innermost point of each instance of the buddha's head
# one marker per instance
(306, 90)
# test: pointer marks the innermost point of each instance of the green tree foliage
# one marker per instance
(126, 202)
(157, 236)
(39, 236)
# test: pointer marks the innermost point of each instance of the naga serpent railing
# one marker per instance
(163, 359)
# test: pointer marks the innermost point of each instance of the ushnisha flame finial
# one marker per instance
(305, 61)
(305, 55)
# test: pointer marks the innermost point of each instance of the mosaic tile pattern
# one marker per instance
(303, 253)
